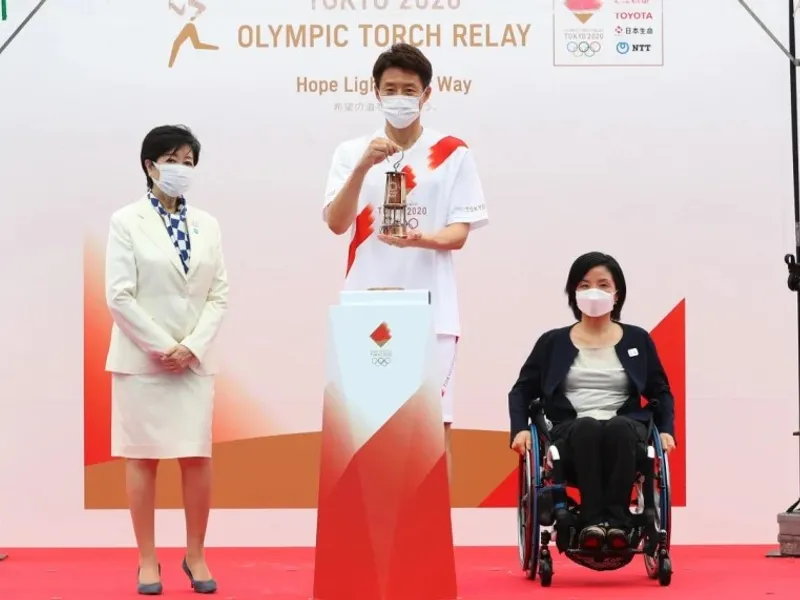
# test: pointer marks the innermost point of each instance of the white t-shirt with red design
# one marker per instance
(443, 188)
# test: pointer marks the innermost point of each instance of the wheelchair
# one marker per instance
(548, 508)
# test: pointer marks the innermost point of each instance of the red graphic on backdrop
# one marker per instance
(583, 9)
(670, 340)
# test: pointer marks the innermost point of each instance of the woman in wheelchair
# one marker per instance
(588, 379)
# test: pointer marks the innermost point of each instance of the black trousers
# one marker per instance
(600, 457)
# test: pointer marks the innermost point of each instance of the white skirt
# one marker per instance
(161, 415)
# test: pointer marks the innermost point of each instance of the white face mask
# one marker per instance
(594, 302)
(174, 179)
(400, 111)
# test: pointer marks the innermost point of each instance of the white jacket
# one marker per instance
(154, 304)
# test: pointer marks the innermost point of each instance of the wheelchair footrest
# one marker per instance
(564, 529)
(553, 511)
(652, 536)
(655, 543)
(552, 505)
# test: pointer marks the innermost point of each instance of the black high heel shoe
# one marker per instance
(209, 586)
(149, 589)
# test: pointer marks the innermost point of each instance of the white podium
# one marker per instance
(383, 527)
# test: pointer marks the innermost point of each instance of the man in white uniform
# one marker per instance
(445, 202)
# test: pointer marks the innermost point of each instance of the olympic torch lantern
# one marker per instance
(395, 218)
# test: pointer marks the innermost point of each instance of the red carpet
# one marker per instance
(704, 572)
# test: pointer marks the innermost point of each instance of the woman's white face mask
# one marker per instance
(594, 302)
(173, 179)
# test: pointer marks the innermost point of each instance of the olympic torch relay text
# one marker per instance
(315, 35)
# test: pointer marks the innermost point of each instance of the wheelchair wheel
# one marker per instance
(664, 571)
(524, 514)
(528, 530)
(657, 566)
(546, 570)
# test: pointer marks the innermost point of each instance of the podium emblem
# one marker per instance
(381, 335)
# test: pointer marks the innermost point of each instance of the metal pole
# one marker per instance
(796, 186)
(787, 522)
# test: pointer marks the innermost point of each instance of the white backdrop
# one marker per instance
(683, 172)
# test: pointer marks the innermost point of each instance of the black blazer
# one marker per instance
(542, 376)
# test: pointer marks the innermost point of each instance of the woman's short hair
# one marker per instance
(585, 263)
(166, 139)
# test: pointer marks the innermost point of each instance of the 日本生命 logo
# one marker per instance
(620, 30)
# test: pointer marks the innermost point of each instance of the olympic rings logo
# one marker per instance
(587, 49)
(381, 362)
(413, 223)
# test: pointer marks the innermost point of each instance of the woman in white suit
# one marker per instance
(167, 289)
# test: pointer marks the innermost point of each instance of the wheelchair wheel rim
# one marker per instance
(666, 501)
(527, 507)
(523, 516)
(650, 563)
(663, 505)
(535, 474)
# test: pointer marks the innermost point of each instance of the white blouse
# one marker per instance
(597, 385)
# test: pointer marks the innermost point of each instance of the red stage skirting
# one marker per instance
(701, 572)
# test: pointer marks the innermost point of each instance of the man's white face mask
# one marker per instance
(400, 111)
